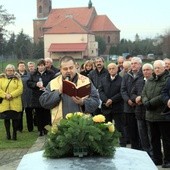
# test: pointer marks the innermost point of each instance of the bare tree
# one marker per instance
(5, 19)
(166, 44)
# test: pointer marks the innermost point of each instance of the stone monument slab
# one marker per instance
(124, 159)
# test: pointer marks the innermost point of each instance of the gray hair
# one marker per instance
(120, 57)
(10, 66)
(148, 65)
(138, 59)
(49, 59)
(30, 63)
(160, 62)
(165, 59)
(127, 63)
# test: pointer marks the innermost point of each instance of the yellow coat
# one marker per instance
(15, 89)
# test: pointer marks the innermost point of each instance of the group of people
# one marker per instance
(135, 96)
(20, 89)
(132, 94)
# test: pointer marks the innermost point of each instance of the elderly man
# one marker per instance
(60, 104)
(152, 100)
(167, 64)
(49, 65)
(140, 110)
(110, 95)
(120, 62)
(128, 82)
(126, 68)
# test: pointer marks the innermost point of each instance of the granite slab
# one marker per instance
(124, 159)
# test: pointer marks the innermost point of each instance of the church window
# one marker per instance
(108, 39)
(40, 9)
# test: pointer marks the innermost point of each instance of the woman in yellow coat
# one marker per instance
(11, 88)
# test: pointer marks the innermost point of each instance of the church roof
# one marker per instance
(103, 23)
(67, 26)
(65, 47)
(77, 20)
(82, 15)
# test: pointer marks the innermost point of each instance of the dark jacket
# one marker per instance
(47, 76)
(96, 76)
(54, 69)
(86, 72)
(151, 97)
(128, 83)
(140, 110)
(165, 97)
(27, 92)
(166, 92)
(110, 89)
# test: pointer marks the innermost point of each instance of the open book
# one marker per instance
(71, 89)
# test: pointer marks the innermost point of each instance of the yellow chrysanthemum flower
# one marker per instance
(111, 127)
(69, 115)
(87, 115)
(54, 129)
(78, 113)
(99, 118)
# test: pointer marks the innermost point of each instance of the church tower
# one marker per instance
(43, 10)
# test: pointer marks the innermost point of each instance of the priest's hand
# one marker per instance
(78, 100)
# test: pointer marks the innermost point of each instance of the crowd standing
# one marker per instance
(135, 96)
(37, 82)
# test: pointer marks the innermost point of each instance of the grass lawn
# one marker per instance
(24, 140)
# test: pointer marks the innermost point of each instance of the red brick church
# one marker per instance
(74, 30)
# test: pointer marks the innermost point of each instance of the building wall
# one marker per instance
(92, 46)
(38, 29)
(114, 38)
(71, 38)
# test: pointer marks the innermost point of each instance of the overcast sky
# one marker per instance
(148, 18)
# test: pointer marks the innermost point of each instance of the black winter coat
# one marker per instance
(140, 110)
(166, 92)
(110, 89)
(96, 76)
(47, 76)
(128, 83)
(27, 92)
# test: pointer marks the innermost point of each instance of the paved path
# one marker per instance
(10, 159)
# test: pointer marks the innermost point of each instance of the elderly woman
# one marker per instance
(11, 88)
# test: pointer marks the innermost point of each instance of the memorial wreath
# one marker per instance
(80, 135)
